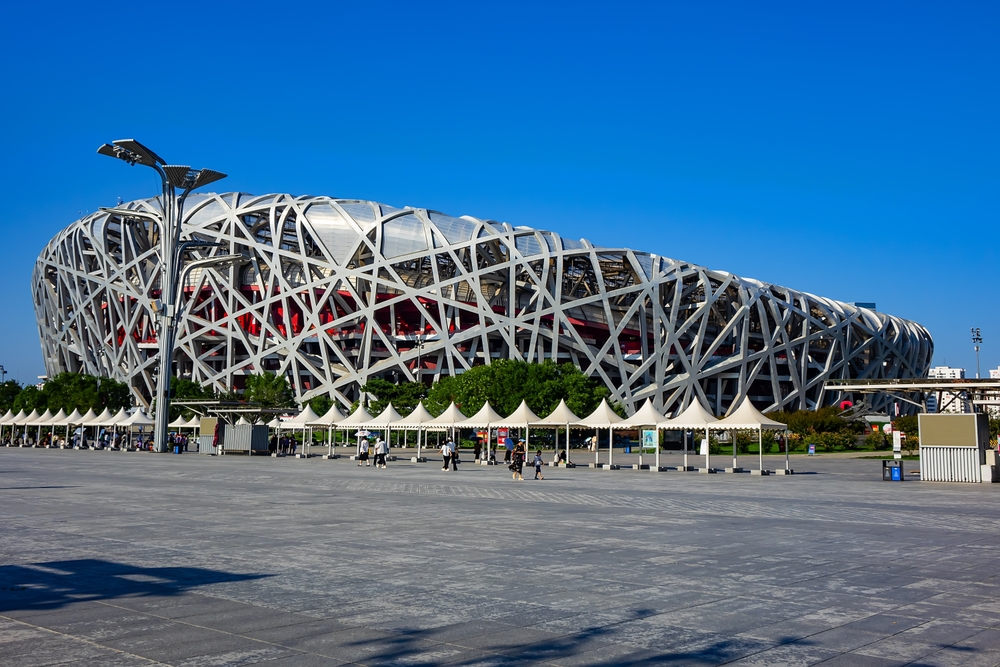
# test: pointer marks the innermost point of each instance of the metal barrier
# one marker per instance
(950, 464)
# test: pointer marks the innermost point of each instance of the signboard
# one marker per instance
(812, 450)
(649, 440)
(897, 445)
(704, 446)
(501, 433)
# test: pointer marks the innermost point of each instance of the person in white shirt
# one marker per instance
(363, 452)
(446, 453)
(381, 449)
(454, 454)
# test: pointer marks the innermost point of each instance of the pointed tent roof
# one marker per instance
(177, 423)
(30, 419)
(59, 419)
(19, 418)
(88, 418)
(693, 416)
(42, 419)
(139, 418)
(749, 417)
(522, 417)
(418, 417)
(120, 417)
(332, 417)
(561, 416)
(6, 417)
(356, 418)
(450, 417)
(242, 421)
(647, 415)
(385, 419)
(602, 417)
(194, 422)
(103, 419)
(304, 418)
(274, 423)
(485, 418)
(74, 418)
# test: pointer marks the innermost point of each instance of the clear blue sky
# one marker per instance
(845, 149)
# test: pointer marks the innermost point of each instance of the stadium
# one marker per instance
(339, 291)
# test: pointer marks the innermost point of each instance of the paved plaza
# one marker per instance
(114, 558)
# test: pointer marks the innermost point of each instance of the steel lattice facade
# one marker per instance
(340, 291)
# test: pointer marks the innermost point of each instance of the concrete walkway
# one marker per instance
(114, 558)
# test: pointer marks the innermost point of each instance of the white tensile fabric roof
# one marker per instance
(693, 417)
(356, 418)
(385, 418)
(451, 416)
(602, 417)
(747, 416)
(647, 415)
(561, 416)
(485, 418)
(522, 417)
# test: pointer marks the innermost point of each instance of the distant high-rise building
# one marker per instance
(943, 401)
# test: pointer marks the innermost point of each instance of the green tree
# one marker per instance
(269, 390)
(404, 397)
(321, 404)
(184, 389)
(75, 391)
(8, 394)
(506, 382)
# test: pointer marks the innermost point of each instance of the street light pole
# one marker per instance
(977, 340)
(172, 178)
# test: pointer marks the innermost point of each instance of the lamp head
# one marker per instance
(186, 178)
(132, 152)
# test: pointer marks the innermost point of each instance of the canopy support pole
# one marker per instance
(611, 448)
(708, 450)
(760, 449)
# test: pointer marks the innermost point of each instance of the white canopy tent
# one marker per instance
(694, 417)
(522, 417)
(450, 418)
(485, 418)
(562, 416)
(120, 418)
(419, 420)
(329, 420)
(647, 415)
(602, 417)
(748, 418)
(303, 420)
(356, 419)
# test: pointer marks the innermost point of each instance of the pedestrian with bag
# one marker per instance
(446, 453)
(381, 449)
(517, 461)
(363, 452)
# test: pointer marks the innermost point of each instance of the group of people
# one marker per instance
(105, 440)
(283, 446)
(380, 450)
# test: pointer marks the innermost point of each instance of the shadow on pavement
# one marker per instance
(53, 584)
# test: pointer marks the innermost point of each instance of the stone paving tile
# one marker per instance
(606, 568)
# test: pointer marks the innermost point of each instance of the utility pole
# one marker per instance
(977, 340)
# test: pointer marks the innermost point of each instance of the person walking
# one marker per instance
(454, 455)
(477, 451)
(446, 453)
(538, 465)
(363, 452)
(381, 449)
(517, 461)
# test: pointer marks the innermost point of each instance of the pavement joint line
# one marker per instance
(84, 640)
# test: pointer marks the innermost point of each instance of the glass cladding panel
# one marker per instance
(549, 240)
(528, 245)
(402, 236)
(389, 210)
(211, 210)
(570, 244)
(646, 262)
(455, 230)
(360, 211)
(331, 229)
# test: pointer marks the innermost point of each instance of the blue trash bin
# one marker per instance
(177, 449)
